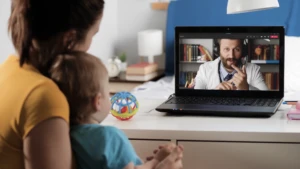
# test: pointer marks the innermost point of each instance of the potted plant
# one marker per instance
(123, 61)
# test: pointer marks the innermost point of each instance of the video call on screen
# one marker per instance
(207, 60)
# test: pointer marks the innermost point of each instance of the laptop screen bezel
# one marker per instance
(230, 29)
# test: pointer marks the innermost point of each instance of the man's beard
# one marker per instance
(224, 61)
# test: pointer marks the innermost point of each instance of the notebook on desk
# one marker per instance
(228, 71)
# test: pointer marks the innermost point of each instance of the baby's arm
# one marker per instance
(148, 165)
(160, 155)
(119, 152)
(129, 166)
(172, 160)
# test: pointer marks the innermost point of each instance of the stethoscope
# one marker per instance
(219, 71)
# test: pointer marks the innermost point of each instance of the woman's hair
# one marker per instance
(80, 76)
(46, 22)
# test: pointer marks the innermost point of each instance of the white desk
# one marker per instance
(217, 142)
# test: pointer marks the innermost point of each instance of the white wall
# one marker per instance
(292, 64)
(6, 46)
(104, 42)
(134, 16)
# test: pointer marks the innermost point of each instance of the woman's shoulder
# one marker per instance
(43, 87)
(44, 101)
(46, 87)
(25, 75)
(36, 97)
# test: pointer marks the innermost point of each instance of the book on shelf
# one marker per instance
(272, 80)
(142, 68)
(186, 79)
(123, 77)
(265, 52)
(194, 52)
(143, 72)
(145, 77)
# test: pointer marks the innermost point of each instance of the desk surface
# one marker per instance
(150, 124)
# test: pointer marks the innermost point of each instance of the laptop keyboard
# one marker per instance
(223, 101)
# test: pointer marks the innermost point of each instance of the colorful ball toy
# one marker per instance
(124, 105)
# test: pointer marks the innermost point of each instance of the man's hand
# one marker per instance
(225, 86)
(240, 78)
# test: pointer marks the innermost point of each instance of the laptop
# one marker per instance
(227, 71)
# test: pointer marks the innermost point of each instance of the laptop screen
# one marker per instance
(229, 61)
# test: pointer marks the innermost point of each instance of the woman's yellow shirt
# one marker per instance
(26, 99)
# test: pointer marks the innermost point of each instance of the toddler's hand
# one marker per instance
(172, 161)
(164, 151)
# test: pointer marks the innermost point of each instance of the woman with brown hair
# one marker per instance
(34, 113)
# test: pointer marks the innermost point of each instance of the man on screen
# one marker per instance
(228, 72)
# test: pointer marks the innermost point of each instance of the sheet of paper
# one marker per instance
(161, 89)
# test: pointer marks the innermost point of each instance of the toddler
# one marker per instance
(84, 80)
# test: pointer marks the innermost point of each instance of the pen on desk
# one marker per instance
(290, 102)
